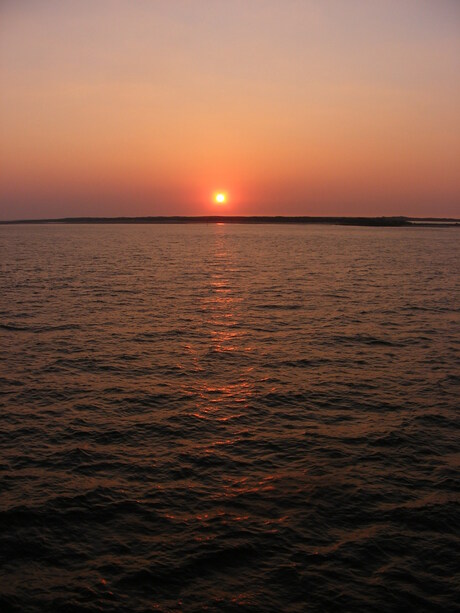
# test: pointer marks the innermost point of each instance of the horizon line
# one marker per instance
(384, 220)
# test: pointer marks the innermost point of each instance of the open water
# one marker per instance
(229, 418)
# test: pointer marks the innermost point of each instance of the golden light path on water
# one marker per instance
(219, 400)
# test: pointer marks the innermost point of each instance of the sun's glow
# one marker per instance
(220, 198)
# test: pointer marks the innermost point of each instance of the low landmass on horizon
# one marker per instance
(250, 219)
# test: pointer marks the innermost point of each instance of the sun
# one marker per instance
(220, 198)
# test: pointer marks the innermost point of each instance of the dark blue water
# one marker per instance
(229, 418)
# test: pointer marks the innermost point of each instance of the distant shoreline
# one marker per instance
(341, 221)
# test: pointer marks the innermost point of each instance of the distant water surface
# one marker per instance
(229, 418)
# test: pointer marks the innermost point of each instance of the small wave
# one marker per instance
(364, 339)
(279, 306)
(42, 328)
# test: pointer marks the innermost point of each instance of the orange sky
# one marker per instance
(110, 107)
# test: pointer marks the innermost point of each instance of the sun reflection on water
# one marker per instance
(218, 397)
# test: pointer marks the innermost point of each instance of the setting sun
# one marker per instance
(220, 198)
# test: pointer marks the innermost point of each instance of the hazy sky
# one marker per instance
(147, 107)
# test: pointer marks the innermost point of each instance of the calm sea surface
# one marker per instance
(229, 418)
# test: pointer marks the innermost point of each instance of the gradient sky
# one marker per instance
(147, 107)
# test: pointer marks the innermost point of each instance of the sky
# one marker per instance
(150, 107)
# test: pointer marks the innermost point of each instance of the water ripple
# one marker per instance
(229, 418)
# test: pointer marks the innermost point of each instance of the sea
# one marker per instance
(242, 418)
